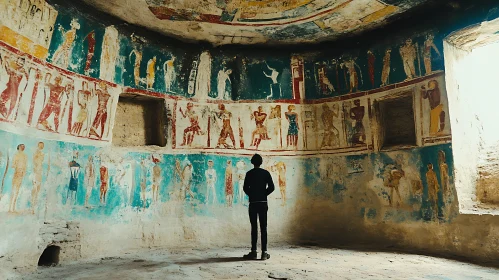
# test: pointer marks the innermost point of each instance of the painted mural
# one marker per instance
(282, 21)
(95, 180)
(373, 68)
(45, 98)
(77, 44)
(27, 25)
(311, 116)
(398, 186)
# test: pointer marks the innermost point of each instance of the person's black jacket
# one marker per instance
(255, 184)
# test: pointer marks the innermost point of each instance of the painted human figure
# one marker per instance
(226, 131)
(371, 59)
(280, 167)
(261, 129)
(156, 178)
(429, 45)
(89, 179)
(444, 173)
(170, 74)
(298, 77)
(211, 179)
(143, 181)
(357, 114)
(177, 172)
(12, 90)
(38, 158)
(224, 84)
(186, 181)
(331, 133)
(324, 82)
(275, 88)
(109, 54)
(20, 165)
(240, 173)
(74, 168)
(353, 74)
(229, 185)
(104, 182)
(393, 174)
(53, 106)
(136, 65)
(100, 119)
(408, 53)
(292, 117)
(151, 73)
(385, 72)
(62, 54)
(90, 38)
(203, 76)
(83, 97)
(437, 113)
(433, 188)
(194, 128)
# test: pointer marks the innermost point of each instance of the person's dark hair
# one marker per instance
(257, 160)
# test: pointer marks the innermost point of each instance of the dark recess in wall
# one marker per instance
(149, 118)
(50, 256)
(397, 122)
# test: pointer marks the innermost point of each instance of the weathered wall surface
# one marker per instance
(313, 116)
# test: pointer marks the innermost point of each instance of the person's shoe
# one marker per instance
(265, 256)
(251, 256)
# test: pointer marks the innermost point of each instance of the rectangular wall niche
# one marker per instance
(140, 121)
(396, 126)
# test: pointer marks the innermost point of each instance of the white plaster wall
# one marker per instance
(466, 126)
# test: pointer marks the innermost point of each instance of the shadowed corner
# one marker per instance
(212, 260)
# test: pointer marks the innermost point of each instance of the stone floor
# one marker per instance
(286, 262)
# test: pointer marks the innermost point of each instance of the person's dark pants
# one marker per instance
(258, 210)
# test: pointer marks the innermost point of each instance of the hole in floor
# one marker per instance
(50, 256)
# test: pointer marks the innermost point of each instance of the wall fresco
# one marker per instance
(398, 186)
(45, 98)
(256, 21)
(77, 44)
(372, 68)
(27, 25)
(88, 179)
(313, 117)
(413, 185)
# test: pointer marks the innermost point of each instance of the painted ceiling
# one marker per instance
(255, 21)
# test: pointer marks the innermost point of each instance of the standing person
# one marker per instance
(255, 186)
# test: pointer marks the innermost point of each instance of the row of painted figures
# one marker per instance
(182, 178)
(59, 98)
(200, 74)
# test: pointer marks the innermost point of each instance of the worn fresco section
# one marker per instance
(77, 43)
(265, 79)
(147, 66)
(376, 67)
(249, 22)
(399, 186)
(67, 181)
(27, 25)
(40, 97)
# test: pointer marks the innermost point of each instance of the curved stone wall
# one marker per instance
(315, 117)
